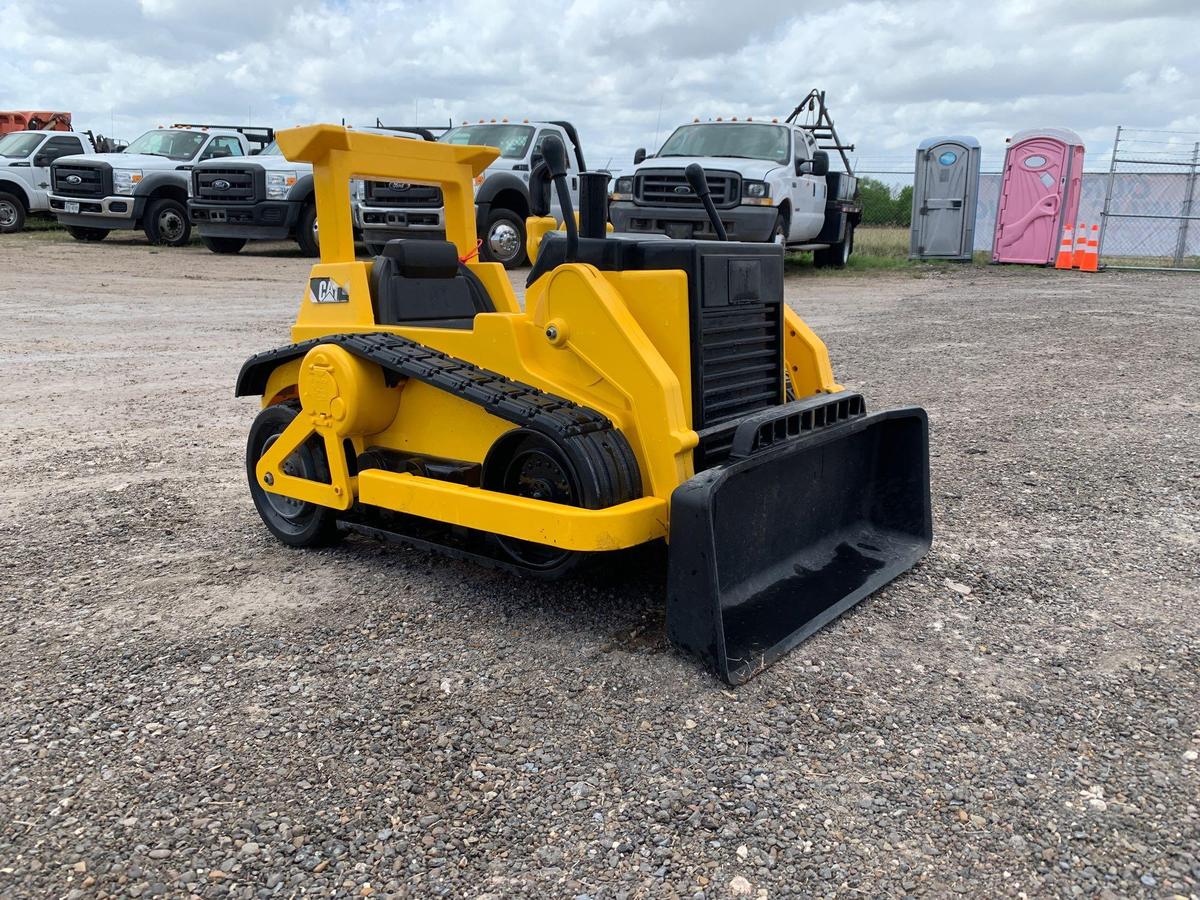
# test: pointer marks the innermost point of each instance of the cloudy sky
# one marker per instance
(896, 71)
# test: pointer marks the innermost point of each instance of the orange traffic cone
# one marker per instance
(1066, 248)
(1091, 257)
(1080, 247)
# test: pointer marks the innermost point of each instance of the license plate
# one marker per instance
(71, 206)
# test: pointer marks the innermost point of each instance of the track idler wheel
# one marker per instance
(592, 471)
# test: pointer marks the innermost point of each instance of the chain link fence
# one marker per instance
(1149, 215)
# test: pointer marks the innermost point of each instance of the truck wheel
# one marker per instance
(780, 232)
(12, 214)
(223, 244)
(87, 234)
(504, 241)
(374, 249)
(167, 223)
(839, 253)
(295, 522)
(306, 231)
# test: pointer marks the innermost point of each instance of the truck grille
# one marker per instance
(234, 185)
(400, 193)
(670, 188)
(93, 181)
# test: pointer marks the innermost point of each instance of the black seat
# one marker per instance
(416, 282)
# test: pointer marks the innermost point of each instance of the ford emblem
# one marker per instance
(221, 185)
(683, 189)
(399, 185)
(74, 179)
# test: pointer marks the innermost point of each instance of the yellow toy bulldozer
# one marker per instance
(650, 390)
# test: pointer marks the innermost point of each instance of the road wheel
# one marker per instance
(295, 522)
(306, 231)
(223, 244)
(529, 464)
(839, 254)
(87, 234)
(167, 223)
(780, 232)
(504, 239)
(12, 214)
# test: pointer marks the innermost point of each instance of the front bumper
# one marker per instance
(382, 223)
(265, 220)
(743, 223)
(112, 213)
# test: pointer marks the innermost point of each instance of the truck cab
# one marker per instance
(769, 180)
(387, 210)
(25, 160)
(146, 185)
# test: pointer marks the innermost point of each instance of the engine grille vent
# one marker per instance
(670, 188)
(235, 185)
(399, 193)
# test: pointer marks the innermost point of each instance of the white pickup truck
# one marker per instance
(146, 185)
(387, 210)
(25, 158)
(769, 180)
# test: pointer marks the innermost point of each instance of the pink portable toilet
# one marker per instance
(1039, 193)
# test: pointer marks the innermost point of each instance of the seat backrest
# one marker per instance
(418, 282)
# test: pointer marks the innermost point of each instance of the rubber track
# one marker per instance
(601, 454)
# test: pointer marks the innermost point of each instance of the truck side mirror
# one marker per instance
(43, 159)
(639, 156)
(820, 162)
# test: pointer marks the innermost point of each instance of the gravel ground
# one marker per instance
(193, 709)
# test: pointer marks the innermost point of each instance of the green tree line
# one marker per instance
(883, 205)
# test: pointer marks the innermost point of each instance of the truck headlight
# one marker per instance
(623, 189)
(191, 186)
(756, 193)
(126, 180)
(279, 183)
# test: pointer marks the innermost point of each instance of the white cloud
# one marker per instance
(896, 71)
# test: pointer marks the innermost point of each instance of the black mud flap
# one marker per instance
(766, 550)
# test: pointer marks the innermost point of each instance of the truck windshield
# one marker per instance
(272, 149)
(511, 140)
(739, 141)
(168, 143)
(19, 145)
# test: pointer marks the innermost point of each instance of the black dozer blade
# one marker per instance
(767, 549)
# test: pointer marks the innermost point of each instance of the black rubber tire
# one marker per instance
(499, 220)
(12, 213)
(780, 230)
(306, 231)
(295, 523)
(839, 253)
(223, 244)
(91, 235)
(166, 223)
(502, 471)
(374, 249)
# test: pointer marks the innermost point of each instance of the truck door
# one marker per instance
(808, 193)
(945, 170)
(221, 147)
(54, 148)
